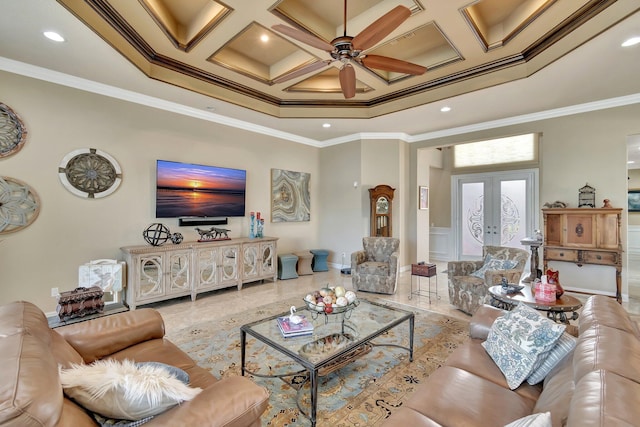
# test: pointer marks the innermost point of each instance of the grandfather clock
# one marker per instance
(381, 198)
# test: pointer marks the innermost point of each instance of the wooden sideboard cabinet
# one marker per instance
(157, 273)
(584, 236)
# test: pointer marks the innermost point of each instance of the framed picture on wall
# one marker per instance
(634, 200)
(423, 197)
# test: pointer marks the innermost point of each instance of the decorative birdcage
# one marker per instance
(587, 197)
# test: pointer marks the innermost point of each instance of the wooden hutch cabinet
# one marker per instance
(584, 236)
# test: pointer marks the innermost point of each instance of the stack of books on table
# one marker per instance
(290, 329)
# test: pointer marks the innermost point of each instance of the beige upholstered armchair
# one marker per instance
(469, 281)
(375, 268)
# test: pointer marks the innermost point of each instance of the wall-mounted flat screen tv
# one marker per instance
(190, 190)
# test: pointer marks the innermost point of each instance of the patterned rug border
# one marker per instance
(363, 393)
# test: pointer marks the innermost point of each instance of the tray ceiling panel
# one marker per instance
(228, 50)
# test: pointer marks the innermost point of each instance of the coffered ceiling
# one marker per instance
(230, 51)
(493, 62)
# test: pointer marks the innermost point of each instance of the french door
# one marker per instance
(495, 208)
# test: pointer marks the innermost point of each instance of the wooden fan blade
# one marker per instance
(306, 38)
(348, 81)
(381, 28)
(391, 64)
(303, 70)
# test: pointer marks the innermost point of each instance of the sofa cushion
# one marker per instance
(473, 358)
(609, 348)
(604, 399)
(605, 311)
(491, 263)
(30, 393)
(557, 392)
(454, 397)
(125, 390)
(565, 344)
(517, 341)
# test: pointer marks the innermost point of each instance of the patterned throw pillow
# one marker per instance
(491, 263)
(564, 346)
(518, 340)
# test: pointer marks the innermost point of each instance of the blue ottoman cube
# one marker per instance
(319, 262)
(287, 266)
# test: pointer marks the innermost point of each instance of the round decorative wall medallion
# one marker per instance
(89, 172)
(19, 205)
(13, 134)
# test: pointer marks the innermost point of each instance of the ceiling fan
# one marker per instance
(347, 49)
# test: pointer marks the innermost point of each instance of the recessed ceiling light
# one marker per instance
(445, 109)
(52, 35)
(264, 38)
(630, 42)
(630, 161)
(326, 125)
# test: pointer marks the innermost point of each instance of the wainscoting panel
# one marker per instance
(440, 244)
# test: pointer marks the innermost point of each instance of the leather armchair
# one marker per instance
(467, 292)
(375, 268)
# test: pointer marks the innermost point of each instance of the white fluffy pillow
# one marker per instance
(125, 390)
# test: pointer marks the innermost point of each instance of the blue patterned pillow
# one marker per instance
(491, 263)
(563, 346)
(518, 340)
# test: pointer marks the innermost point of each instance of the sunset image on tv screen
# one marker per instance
(190, 190)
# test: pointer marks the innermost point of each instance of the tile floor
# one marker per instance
(182, 312)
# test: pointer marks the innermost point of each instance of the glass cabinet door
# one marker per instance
(250, 261)
(229, 272)
(179, 272)
(207, 267)
(151, 277)
(268, 264)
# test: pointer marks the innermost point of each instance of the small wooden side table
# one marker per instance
(423, 270)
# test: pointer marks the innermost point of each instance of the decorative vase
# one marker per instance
(260, 228)
(553, 276)
(252, 224)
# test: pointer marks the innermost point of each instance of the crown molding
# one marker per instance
(39, 73)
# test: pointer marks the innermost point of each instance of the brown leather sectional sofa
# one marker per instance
(30, 352)
(598, 384)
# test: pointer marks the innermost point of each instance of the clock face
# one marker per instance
(90, 173)
(19, 205)
(13, 134)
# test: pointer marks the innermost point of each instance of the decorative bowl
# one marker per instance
(331, 300)
(335, 309)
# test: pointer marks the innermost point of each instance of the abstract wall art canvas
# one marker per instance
(290, 199)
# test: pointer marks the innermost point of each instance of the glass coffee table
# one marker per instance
(337, 340)
(556, 311)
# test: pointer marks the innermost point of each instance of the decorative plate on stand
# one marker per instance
(90, 173)
(19, 205)
(13, 134)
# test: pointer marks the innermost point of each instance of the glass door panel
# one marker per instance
(496, 209)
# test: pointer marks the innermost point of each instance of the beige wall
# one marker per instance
(71, 230)
(588, 147)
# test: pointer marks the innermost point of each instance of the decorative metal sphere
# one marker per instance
(156, 234)
(176, 238)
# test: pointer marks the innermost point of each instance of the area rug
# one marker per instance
(363, 393)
